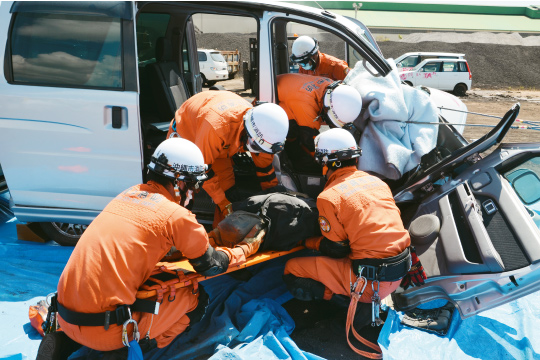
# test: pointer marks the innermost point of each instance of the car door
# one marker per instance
(484, 247)
(448, 75)
(427, 75)
(69, 125)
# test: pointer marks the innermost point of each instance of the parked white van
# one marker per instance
(212, 65)
(443, 74)
(409, 60)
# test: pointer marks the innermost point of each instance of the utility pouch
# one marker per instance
(51, 323)
(388, 269)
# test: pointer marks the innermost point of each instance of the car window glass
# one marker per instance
(217, 57)
(410, 61)
(67, 50)
(449, 66)
(202, 55)
(150, 27)
(431, 67)
(462, 66)
(185, 55)
(329, 43)
(525, 180)
(232, 39)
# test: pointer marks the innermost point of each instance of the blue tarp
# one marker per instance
(247, 320)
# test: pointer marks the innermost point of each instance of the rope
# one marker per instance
(355, 296)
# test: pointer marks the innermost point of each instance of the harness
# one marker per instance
(374, 270)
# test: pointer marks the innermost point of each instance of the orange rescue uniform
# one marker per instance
(358, 207)
(116, 255)
(301, 96)
(330, 67)
(214, 121)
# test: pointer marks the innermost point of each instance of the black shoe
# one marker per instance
(56, 346)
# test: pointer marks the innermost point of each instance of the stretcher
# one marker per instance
(188, 277)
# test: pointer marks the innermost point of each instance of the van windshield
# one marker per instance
(216, 56)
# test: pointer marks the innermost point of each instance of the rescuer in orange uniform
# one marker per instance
(311, 101)
(305, 52)
(222, 124)
(120, 248)
(363, 242)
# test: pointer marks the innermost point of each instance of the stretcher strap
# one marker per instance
(355, 296)
(163, 281)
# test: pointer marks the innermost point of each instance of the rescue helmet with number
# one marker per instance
(341, 105)
(266, 126)
(179, 159)
(335, 145)
(303, 50)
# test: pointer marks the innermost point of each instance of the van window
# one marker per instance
(202, 56)
(66, 50)
(217, 56)
(462, 66)
(431, 67)
(449, 66)
(150, 27)
(410, 61)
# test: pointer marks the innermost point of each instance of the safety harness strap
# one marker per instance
(117, 316)
(355, 296)
(388, 269)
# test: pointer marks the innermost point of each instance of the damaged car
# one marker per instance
(82, 111)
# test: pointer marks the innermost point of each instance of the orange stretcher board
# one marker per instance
(186, 266)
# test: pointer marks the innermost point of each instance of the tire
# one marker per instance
(211, 82)
(63, 233)
(203, 79)
(408, 83)
(460, 90)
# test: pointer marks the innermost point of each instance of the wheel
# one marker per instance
(408, 83)
(63, 233)
(203, 79)
(460, 90)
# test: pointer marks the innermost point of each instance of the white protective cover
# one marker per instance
(390, 145)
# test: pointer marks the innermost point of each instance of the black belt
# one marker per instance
(117, 316)
(388, 269)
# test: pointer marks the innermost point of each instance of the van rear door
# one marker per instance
(69, 125)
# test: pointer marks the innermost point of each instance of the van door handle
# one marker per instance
(116, 117)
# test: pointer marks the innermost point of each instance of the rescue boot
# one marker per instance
(304, 289)
(56, 346)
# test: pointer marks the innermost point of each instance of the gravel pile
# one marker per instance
(496, 60)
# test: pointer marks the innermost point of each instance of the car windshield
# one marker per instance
(525, 180)
(216, 56)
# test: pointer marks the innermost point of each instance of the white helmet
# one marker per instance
(266, 126)
(179, 159)
(335, 145)
(342, 104)
(303, 49)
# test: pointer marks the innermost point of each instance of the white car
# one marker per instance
(79, 119)
(212, 65)
(409, 60)
(443, 74)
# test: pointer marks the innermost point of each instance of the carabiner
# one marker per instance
(359, 294)
(136, 334)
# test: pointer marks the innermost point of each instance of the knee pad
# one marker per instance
(304, 289)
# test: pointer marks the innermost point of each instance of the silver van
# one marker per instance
(87, 90)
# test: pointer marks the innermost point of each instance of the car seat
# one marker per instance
(166, 81)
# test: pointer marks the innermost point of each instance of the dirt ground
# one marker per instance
(320, 326)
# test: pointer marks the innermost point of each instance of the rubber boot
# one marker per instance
(304, 289)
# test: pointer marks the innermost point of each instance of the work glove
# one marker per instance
(252, 241)
(226, 208)
(416, 275)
